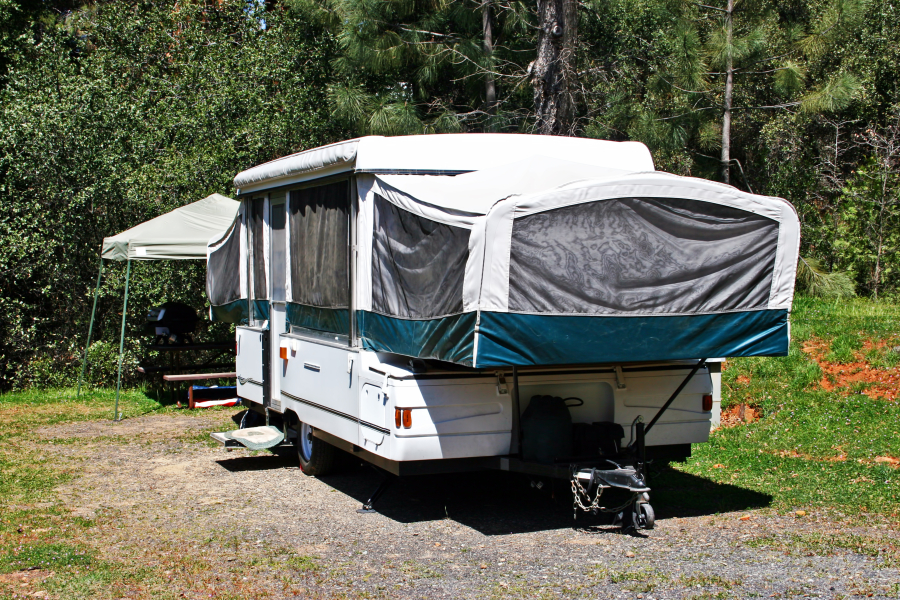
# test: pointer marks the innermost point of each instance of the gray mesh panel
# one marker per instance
(258, 248)
(223, 270)
(635, 255)
(320, 226)
(418, 265)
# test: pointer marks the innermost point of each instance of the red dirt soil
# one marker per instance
(738, 415)
(883, 384)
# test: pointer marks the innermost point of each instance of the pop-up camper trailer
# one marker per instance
(539, 304)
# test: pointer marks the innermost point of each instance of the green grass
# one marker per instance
(811, 449)
(36, 532)
(885, 551)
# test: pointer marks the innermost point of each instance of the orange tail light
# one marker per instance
(397, 417)
(407, 418)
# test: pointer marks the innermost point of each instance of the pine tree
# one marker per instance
(407, 66)
(733, 57)
(553, 72)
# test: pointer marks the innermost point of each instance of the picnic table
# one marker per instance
(177, 371)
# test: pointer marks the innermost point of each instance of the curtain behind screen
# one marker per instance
(418, 265)
(635, 255)
(319, 243)
(223, 270)
(257, 248)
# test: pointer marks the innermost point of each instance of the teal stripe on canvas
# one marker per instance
(236, 312)
(507, 339)
(330, 320)
(449, 339)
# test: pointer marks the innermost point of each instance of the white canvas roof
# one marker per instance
(443, 153)
(501, 249)
(475, 193)
(182, 234)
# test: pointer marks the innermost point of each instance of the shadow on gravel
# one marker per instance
(493, 503)
(678, 494)
(282, 458)
(501, 503)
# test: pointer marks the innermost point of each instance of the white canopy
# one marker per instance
(182, 234)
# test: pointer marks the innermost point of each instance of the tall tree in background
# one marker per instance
(747, 56)
(553, 73)
(429, 66)
(870, 212)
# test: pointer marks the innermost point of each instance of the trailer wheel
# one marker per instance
(647, 517)
(316, 456)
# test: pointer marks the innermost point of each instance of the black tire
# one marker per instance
(647, 518)
(316, 456)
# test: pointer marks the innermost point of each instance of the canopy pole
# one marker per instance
(117, 417)
(87, 345)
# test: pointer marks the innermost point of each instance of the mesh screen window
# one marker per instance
(319, 242)
(258, 248)
(637, 255)
(418, 265)
(223, 270)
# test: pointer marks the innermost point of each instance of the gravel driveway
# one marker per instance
(251, 525)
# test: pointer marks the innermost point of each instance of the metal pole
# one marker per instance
(516, 441)
(87, 345)
(122, 340)
(673, 396)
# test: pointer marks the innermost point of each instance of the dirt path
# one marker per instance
(211, 523)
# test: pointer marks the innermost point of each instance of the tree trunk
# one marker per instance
(729, 91)
(490, 88)
(553, 71)
(879, 249)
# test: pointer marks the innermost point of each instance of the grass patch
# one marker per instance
(707, 581)
(417, 570)
(36, 532)
(42, 556)
(821, 544)
(306, 564)
(811, 449)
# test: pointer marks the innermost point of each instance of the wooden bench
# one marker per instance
(197, 377)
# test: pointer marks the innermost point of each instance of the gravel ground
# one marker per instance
(251, 525)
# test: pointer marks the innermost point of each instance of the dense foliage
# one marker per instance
(118, 113)
(112, 113)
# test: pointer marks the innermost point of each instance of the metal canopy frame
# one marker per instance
(84, 360)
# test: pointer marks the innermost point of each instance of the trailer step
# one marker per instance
(227, 442)
(254, 438)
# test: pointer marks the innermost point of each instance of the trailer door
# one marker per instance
(249, 364)
(277, 268)
(252, 341)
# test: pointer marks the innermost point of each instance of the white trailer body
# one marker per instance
(366, 367)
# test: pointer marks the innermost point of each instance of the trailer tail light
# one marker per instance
(707, 402)
(398, 418)
(282, 352)
(407, 418)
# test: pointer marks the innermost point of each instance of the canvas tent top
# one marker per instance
(492, 250)
(449, 154)
(182, 234)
